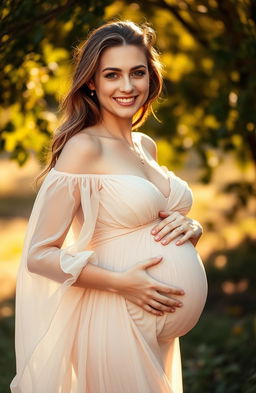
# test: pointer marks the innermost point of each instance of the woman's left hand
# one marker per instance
(174, 224)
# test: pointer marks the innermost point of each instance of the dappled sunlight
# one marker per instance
(16, 188)
(6, 311)
(220, 261)
(17, 180)
(230, 287)
(12, 234)
(12, 237)
(8, 274)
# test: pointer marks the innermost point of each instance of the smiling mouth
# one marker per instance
(125, 100)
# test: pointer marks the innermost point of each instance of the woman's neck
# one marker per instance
(117, 129)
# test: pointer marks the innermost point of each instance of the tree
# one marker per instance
(36, 42)
(209, 50)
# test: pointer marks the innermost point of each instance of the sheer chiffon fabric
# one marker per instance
(82, 340)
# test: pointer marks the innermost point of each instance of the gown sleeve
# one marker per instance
(47, 305)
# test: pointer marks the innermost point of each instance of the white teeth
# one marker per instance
(125, 99)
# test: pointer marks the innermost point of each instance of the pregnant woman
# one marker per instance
(100, 301)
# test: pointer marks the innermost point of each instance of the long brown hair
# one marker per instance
(79, 109)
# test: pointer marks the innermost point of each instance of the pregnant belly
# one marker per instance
(181, 267)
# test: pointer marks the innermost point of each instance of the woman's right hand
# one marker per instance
(141, 289)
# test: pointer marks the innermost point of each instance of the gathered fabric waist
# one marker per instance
(104, 234)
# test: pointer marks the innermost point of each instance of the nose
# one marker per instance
(126, 85)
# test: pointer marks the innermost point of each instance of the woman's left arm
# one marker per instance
(175, 224)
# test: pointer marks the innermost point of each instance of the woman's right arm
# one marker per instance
(134, 284)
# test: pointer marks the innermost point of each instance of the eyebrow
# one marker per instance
(119, 69)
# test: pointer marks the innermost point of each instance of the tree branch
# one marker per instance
(24, 27)
(175, 12)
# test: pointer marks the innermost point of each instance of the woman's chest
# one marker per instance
(129, 200)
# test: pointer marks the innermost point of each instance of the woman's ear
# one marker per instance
(91, 85)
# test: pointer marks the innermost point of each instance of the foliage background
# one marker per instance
(206, 134)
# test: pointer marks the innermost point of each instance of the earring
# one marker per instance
(92, 92)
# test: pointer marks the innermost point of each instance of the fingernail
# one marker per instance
(164, 241)
(153, 232)
(157, 237)
(177, 243)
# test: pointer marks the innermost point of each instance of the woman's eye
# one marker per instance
(111, 73)
(136, 73)
(141, 73)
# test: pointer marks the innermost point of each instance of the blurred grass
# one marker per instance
(219, 354)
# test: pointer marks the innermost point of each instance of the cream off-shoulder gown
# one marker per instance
(74, 340)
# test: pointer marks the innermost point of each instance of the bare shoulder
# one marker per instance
(149, 144)
(78, 155)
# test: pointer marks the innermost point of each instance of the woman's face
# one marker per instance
(122, 73)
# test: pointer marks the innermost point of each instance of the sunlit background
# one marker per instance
(206, 135)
